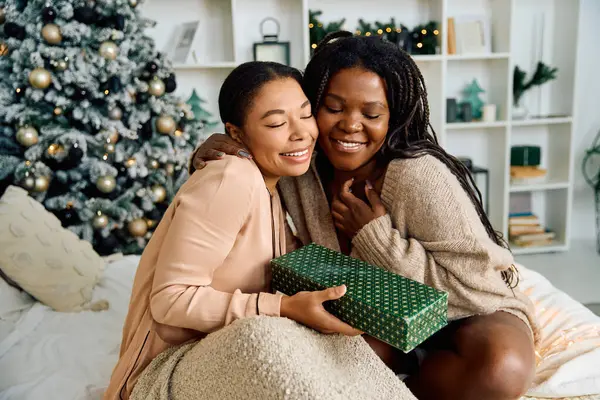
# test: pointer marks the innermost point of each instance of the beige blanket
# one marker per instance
(270, 358)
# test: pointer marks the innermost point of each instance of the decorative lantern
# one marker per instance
(271, 49)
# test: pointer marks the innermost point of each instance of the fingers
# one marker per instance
(339, 207)
(374, 199)
(333, 324)
(346, 187)
(213, 154)
(333, 293)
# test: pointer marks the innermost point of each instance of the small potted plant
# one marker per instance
(542, 74)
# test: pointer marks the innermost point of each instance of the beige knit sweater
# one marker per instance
(431, 234)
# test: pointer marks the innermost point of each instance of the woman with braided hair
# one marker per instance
(381, 189)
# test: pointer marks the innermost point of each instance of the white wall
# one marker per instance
(587, 117)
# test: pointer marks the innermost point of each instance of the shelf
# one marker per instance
(542, 121)
(488, 56)
(536, 187)
(553, 247)
(475, 125)
(427, 57)
(219, 65)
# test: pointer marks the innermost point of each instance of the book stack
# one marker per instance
(525, 230)
(525, 165)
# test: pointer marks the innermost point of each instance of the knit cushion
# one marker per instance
(49, 262)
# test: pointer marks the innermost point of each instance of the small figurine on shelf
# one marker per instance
(472, 92)
(542, 74)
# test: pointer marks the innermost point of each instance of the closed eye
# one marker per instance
(307, 117)
(276, 126)
(372, 116)
(332, 110)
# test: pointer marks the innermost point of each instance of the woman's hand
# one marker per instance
(350, 214)
(307, 309)
(215, 148)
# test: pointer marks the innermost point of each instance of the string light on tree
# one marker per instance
(130, 162)
(159, 193)
(58, 111)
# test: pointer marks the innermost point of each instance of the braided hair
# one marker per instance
(410, 134)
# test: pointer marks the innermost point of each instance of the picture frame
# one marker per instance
(473, 34)
(183, 43)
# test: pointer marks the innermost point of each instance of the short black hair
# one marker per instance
(243, 83)
(410, 133)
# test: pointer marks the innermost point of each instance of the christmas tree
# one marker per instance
(88, 122)
(472, 92)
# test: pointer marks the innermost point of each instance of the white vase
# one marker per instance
(519, 111)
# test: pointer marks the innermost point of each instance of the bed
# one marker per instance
(51, 355)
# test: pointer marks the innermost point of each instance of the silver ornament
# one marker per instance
(100, 221)
(28, 183)
(157, 87)
(106, 184)
(51, 34)
(137, 227)
(165, 124)
(40, 78)
(115, 113)
(27, 136)
(109, 50)
(62, 65)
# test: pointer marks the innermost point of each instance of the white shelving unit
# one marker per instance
(230, 27)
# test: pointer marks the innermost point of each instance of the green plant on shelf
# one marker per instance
(543, 74)
(318, 30)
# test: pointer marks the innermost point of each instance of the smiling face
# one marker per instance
(353, 119)
(279, 129)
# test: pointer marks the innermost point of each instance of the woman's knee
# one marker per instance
(500, 355)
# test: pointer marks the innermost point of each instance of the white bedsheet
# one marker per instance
(58, 356)
(61, 356)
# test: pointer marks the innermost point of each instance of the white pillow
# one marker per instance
(13, 302)
(49, 262)
(568, 357)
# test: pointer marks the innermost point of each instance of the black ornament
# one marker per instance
(119, 22)
(20, 5)
(68, 217)
(145, 131)
(106, 245)
(142, 97)
(154, 215)
(104, 22)
(85, 15)
(48, 14)
(80, 94)
(151, 67)
(170, 84)
(14, 30)
(114, 84)
(146, 76)
(73, 159)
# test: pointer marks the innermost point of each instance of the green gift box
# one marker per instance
(387, 306)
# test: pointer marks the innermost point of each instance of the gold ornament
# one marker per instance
(159, 193)
(137, 227)
(165, 124)
(42, 183)
(51, 34)
(28, 183)
(58, 111)
(3, 14)
(151, 223)
(40, 78)
(115, 113)
(170, 169)
(109, 50)
(27, 136)
(133, 3)
(157, 87)
(106, 184)
(154, 164)
(3, 49)
(100, 221)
